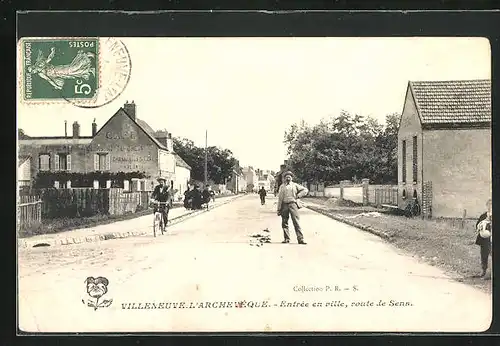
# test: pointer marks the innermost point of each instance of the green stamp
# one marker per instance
(60, 68)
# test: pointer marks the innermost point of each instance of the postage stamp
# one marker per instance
(87, 72)
(60, 68)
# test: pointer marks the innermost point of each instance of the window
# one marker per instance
(403, 164)
(44, 162)
(63, 162)
(415, 159)
(102, 162)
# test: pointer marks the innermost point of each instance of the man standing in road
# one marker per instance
(288, 205)
(262, 194)
(161, 193)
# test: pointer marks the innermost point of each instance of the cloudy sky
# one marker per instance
(247, 91)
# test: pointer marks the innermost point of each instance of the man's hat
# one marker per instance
(161, 178)
(288, 173)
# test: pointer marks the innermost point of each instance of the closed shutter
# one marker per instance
(68, 162)
(56, 167)
(108, 162)
(96, 162)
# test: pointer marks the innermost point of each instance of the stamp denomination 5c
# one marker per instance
(84, 71)
(60, 68)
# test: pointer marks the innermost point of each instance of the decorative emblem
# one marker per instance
(96, 288)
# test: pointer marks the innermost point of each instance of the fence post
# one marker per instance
(366, 184)
(342, 184)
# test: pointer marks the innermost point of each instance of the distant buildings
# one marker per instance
(123, 144)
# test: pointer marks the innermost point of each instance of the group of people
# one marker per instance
(162, 198)
(194, 198)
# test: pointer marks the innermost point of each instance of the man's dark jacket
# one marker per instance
(480, 240)
(162, 194)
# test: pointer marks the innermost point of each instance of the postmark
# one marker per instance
(87, 72)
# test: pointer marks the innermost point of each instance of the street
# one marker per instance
(362, 282)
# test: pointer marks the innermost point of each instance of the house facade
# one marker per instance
(444, 147)
(251, 178)
(123, 144)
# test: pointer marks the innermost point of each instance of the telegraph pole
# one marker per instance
(206, 158)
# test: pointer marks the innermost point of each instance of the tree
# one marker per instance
(21, 134)
(220, 162)
(344, 147)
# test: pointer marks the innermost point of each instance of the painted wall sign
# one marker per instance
(123, 135)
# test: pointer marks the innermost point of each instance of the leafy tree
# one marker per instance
(343, 148)
(220, 162)
(21, 134)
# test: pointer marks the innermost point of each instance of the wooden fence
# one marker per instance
(383, 194)
(85, 202)
(29, 212)
(359, 193)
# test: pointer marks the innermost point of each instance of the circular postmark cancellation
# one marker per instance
(87, 72)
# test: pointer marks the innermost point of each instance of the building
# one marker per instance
(444, 147)
(123, 144)
(266, 180)
(24, 170)
(251, 178)
(237, 182)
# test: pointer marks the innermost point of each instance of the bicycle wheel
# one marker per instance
(162, 224)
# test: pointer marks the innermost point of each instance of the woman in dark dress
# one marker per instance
(483, 239)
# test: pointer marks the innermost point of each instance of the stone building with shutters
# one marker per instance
(444, 147)
(123, 144)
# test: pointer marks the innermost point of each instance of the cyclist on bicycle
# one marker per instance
(161, 193)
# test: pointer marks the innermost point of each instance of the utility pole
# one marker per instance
(206, 158)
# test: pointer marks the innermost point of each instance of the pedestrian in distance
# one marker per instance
(206, 195)
(483, 239)
(188, 198)
(162, 194)
(288, 206)
(262, 194)
(197, 198)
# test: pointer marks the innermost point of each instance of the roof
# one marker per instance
(453, 103)
(22, 159)
(179, 161)
(55, 140)
(149, 131)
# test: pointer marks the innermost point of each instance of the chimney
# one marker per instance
(130, 109)
(76, 129)
(65, 128)
(94, 128)
(170, 142)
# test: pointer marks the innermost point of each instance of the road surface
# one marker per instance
(205, 276)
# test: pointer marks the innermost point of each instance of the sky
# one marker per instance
(247, 91)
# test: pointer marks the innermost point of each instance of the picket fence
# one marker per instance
(29, 212)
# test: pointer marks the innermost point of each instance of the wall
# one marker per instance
(77, 148)
(458, 163)
(182, 176)
(353, 193)
(332, 192)
(409, 126)
(129, 147)
(24, 172)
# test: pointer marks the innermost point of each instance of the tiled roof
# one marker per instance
(55, 141)
(179, 161)
(453, 102)
(22, 159)
(149, 130)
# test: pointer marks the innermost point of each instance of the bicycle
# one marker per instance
(158, 220)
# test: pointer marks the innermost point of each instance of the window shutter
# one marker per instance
(56, 167)
(96, 162)
(68, 162)
(108, 162)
